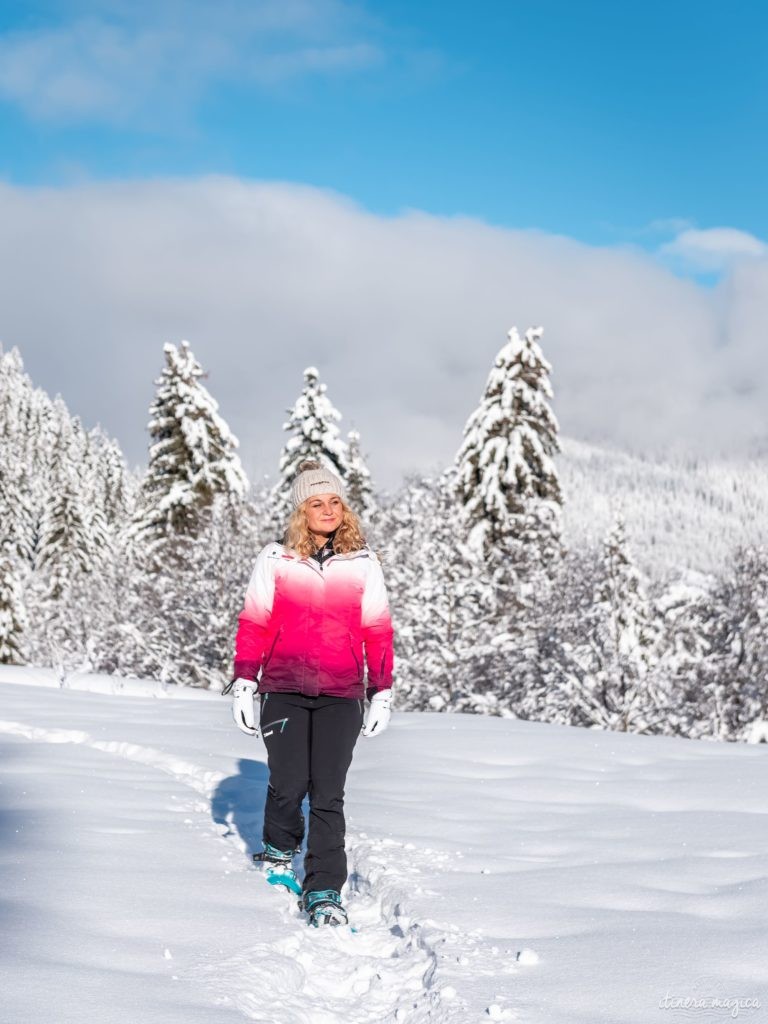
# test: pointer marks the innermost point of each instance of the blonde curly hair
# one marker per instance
(348, 536)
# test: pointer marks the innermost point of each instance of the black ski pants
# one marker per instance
(309, 743)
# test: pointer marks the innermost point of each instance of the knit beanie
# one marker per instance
(313, 478)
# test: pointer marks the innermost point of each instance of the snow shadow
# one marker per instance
(238, 803)
(12, 813)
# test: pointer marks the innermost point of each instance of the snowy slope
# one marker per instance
(627, 870)
(681, 513)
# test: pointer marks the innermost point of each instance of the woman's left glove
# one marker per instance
(377, 719)
(243, 693)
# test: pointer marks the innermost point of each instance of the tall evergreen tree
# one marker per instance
(65, 545)
(507, 489)
(192, 459)
(506, 480)
(314, 434)
(112, 480)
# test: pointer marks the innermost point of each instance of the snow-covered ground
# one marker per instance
(500, 870)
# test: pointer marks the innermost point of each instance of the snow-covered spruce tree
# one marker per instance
(313, 435)
(65, 544)
(507, 488)
(190, 509)
(192, 461)
(732, 678)
(13, 619)
(114, 485)
(358, 482)
(506, 481)
(83, 618)
(105, 608)
(69, 550)
(608, 673)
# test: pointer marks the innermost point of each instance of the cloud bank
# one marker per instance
(403, 317)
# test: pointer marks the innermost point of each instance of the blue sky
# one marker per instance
(390, 187)
(601, 120)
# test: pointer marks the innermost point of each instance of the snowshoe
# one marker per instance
(278, 867)
(324, 907)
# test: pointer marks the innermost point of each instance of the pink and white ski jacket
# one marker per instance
(305, 625)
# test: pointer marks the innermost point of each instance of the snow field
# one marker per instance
(499, 870)
(384, 971)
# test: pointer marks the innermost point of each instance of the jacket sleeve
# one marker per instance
(254, 618)
(377, 630)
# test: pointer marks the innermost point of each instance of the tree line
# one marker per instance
(143, 574)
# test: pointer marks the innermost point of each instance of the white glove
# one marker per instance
(243, 693)
(377, 719)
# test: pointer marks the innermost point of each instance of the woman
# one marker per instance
(313, 605)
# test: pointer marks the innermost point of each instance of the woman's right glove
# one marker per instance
(243, 693)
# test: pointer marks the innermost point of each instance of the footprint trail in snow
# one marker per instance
(386, 971)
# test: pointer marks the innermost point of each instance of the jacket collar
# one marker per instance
(286, 552)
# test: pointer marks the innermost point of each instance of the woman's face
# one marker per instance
(324, 513)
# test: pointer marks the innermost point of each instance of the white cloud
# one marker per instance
(403, 317)
(712, 250)
(140, 62)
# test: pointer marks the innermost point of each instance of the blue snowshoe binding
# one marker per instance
(324, 907)
(278, 867)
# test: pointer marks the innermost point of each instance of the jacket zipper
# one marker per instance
(271, 650)
(354, 655)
